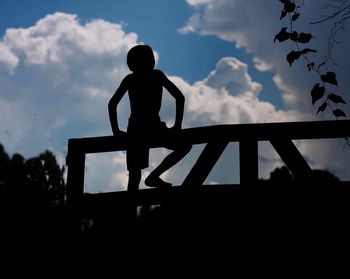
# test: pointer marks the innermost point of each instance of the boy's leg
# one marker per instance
(134, 180)
(173, 158)
(133, 186)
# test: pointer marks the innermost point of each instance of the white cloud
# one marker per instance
(58, 76)
(7, 58)
(105, 172)
(63, 74)
(229, 95)
(230, 73)
(61, 35)
(197, 2)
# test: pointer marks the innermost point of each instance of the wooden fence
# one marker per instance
(216, 138)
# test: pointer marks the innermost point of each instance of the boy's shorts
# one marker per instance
(137, 154)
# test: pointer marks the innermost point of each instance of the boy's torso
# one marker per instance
(145, 95)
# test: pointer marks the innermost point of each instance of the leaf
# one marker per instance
(289, 7)
(317, 93)
(330, 77)
(295, 16)
(294, 36)
(307, 50)
(336, 99)
(339, 113)
(292, 56)
(283, 14)
(283, 35)
(305, 37)
(322, 107)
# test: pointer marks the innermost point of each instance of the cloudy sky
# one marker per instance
(61, 61)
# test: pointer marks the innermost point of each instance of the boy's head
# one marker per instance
(140, 57)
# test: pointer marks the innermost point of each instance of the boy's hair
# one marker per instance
(140, 57)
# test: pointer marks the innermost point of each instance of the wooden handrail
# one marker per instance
(216, 137)
(229, 132)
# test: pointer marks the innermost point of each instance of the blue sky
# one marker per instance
(156, 22)
(61, 61)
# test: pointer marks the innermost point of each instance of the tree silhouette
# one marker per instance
(282, 175)
(32, 198)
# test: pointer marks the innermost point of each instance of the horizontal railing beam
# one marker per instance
(229, 133)
(218, 192)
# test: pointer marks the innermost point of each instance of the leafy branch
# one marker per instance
(321, 92)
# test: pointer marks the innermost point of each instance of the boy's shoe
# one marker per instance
(156, 182)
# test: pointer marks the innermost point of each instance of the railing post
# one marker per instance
(75, 183)
(248, 158)
(291, 156)
(204, 164)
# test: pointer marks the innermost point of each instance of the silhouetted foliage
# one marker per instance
(32, 198)
(281, 174)
(339, 11)
(319, 177)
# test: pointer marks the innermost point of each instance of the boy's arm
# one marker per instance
(179, 97)
(113, 103)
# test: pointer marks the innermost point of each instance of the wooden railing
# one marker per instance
(216, 138)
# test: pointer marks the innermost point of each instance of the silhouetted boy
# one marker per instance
(145, 86)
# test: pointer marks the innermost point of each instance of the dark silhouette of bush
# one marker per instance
(32, 197)
(318, 177)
